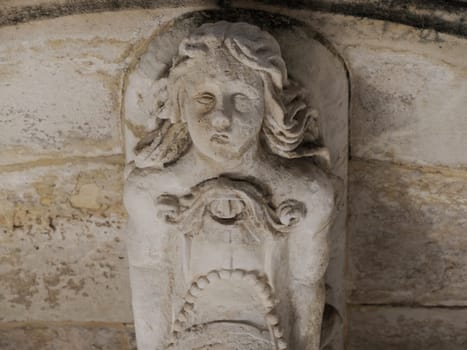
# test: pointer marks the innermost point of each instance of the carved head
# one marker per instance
(220, 99)
(226, 90)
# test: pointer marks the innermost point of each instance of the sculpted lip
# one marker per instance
(220, 138)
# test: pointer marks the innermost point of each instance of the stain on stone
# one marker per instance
(49, 252)
(45, 188)
(430, 35)
(87, 197)
(54, 285)
(113, 85)
(12, 258)
(95, 42)
(399, 221)
(138, 131)
(52, 297)
(75, 286)
(51, 224)
(22, 285)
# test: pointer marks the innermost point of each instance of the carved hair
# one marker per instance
(290, 127)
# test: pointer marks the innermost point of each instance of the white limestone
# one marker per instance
(228, 213)
(41, 59)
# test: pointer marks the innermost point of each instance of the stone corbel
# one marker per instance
(229, 191)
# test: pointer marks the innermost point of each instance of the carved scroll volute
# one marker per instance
(229, 202)
(220, 193)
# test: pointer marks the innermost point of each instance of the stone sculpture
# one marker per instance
(228, 213)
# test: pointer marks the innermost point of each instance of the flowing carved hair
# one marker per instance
(290, 127)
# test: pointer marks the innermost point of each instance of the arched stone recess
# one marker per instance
(236, 236)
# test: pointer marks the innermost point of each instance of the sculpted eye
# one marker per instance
(242, 103)
(205, 99)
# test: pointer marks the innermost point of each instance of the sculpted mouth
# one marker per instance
(220, 139)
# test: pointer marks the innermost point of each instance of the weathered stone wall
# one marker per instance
(407, 242)
(63, 265)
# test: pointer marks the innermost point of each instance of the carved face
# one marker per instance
(223, 105)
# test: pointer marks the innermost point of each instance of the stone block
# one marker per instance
(62, 251)
(396, 328)
(408, 88)
(61, 83)
(407, 107)
(71, 336)
(407, 235)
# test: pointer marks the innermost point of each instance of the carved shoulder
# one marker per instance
(149, 184)
(301, 180)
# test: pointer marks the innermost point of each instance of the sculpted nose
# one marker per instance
(220, 120)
